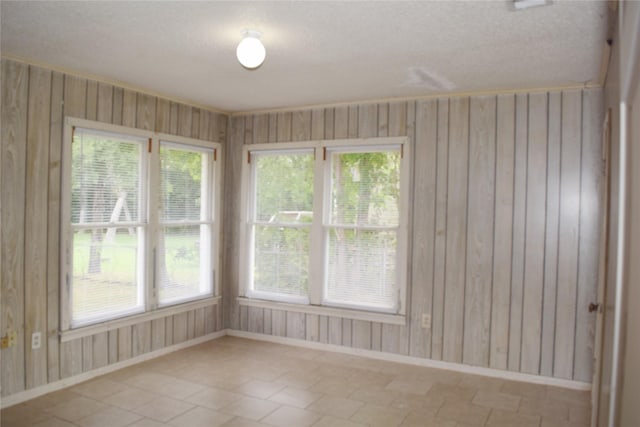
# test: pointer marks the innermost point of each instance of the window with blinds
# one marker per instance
(326, 223)
(107, 188)
(184, 239)
(139, 223)
(362, 229)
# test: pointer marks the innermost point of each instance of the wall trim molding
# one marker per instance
(410, 360)
(32, 393)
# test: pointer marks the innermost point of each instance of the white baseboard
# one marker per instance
(390, 357)
(32, 393)
(23, 396)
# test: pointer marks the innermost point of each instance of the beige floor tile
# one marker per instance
(329, 421)
(532, 391)
(500, 418)
(497, 400)
(213, 398)
(572, 397)
(481, 383)
(376, 396)
(415, 386)
(130, 398)
(201, 417)
(334, 387)
(463, 412)
(146, 422)
(423, 405)
(99, 388)
(450, 392)
(295, 397)
(76, 408)
(545, 408)
(50, 422)
(339, 407)
(549, 422)
(109, 417)
(22, 414)
(299, 380)
(249, 407)
(52, 399)
(163, 409)
(242, 422)
(286, 416)
(419, 420)
(259, 389)
(165, 385)
(379, 416)
(580, 414)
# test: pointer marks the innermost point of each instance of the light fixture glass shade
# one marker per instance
(251, 51)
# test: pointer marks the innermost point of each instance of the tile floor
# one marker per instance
(233, 382)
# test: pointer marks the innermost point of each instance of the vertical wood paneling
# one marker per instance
(244, 318)
(260, 129)
(35, 225)
(141, 338)
(352, 120)
(283, 127)
(87, 354)
(195, 123)
(590, 215)
(551, 235)
(124, 343)
(367, 121)
(191, 324)
(256, 317)
(501, 293)
(324, 329)
(185, 116)
(157, 334)
(424, 193)
(71, 358)
(456, 229)
(279, 323)
(105, 103)
(129, 108)
(163, 116)
(146, 112)
(168, 330)
(376, 336)
(518, 238)
(335, 330)
(480, 221)
(361, 334)
(317, 124)
(91, 112)
(200, 322)
(534, 234)
(301, 125)
(347, 332)
(180, 327)
(440, 238)
(312, 325)
(296, 327)
(118, 95)
(53, 228)
(267, 322)
(568, 238)
(15, 81)
(113, 346)
(100, 350)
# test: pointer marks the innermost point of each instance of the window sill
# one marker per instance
(392, 319)
(109, 325)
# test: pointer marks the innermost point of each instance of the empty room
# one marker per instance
(320, 213)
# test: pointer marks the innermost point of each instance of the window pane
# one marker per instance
(284, 187)
(365, 188)
(362, 268)
(107, 276)
(281, 260)
(105, 178)
(183, 193)
(184, 262)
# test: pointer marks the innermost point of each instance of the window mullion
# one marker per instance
(317, 244)
(153, 207)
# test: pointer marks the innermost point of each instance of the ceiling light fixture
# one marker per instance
(250, 51)
(526, 4)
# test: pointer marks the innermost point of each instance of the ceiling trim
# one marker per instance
(113, 82)
(489, 92)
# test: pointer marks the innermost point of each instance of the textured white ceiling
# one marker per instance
(317, 52)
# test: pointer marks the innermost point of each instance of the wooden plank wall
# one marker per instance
(34, 104)
(504, 228)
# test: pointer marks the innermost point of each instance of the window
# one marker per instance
(139, 230)
(326, 223)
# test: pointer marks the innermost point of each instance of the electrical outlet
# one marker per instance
(36, 340)
(426, 321)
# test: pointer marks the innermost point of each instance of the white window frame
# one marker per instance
(149, 221)
(320, 224)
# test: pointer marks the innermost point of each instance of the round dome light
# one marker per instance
(251, 51)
